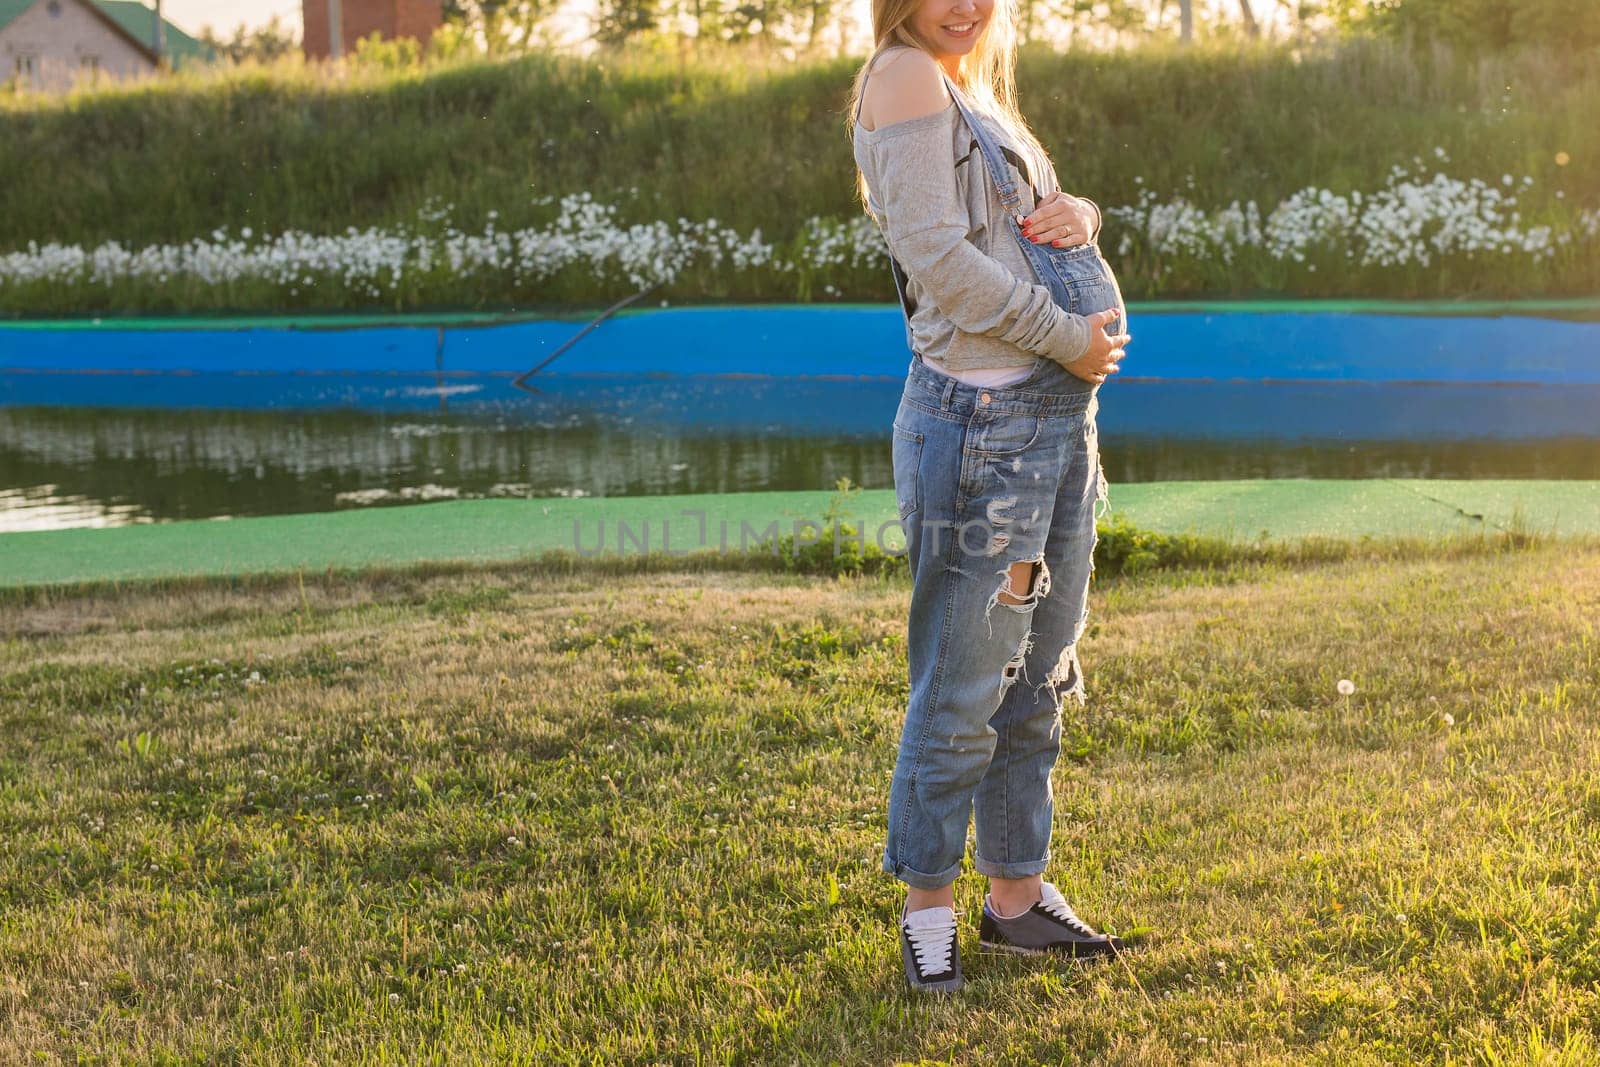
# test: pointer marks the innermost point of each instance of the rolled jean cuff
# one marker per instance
(918, 879)
(1023, 869)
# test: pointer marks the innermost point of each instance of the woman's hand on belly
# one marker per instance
(1061, 219)
(1105, 349)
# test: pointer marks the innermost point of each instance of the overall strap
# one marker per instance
(992, 157)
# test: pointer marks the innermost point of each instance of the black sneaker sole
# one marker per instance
(1064, 951)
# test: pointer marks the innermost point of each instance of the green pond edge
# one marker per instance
(499, 529)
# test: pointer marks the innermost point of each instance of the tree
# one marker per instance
(1566, 25)
(705, 18)
(265, 43)
(503, 27)
(1250, 23)
(821, 12)
(1097, 22)
(617, 21)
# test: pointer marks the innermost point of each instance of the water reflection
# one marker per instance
(104, 449)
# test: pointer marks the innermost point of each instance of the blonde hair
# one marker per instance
(987, 74)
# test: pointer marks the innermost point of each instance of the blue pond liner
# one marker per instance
(843, 340)
(790, 407)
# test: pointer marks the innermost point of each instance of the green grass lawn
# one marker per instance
(625, 814)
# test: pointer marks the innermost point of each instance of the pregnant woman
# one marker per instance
(996, 468)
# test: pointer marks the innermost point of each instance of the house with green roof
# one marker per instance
(46, 44)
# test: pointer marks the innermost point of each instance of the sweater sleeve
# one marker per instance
(1099, 220)
(926, 225)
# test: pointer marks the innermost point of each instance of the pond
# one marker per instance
(90, 436)
(320, 442)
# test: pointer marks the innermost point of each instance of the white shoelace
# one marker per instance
(931, 946)
(1062, 910)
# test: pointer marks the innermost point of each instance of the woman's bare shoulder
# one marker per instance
(908, 84)
(887, 56)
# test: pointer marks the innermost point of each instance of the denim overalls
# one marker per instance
(986, 477)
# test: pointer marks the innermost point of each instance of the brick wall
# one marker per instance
(417, 18)
(391, 18)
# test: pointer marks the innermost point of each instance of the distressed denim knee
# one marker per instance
(987, 479)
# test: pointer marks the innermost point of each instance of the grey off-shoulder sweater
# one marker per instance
(976, 300)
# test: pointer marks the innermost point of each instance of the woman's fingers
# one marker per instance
(1054, 235)
(1114, 353)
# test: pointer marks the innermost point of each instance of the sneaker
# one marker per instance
(928, 943)
(1050, 926)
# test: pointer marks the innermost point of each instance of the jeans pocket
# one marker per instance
(1002, 433)
(906, 458)
(1087, 278)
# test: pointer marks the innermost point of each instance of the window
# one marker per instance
(25, 63)
(91, 62)
(54, 8)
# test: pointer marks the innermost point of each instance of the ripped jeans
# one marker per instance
(986, 477)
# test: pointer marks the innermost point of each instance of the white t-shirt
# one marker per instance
(989, 377)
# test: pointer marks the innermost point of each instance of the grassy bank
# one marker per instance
(582, 815)
(483, 148)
